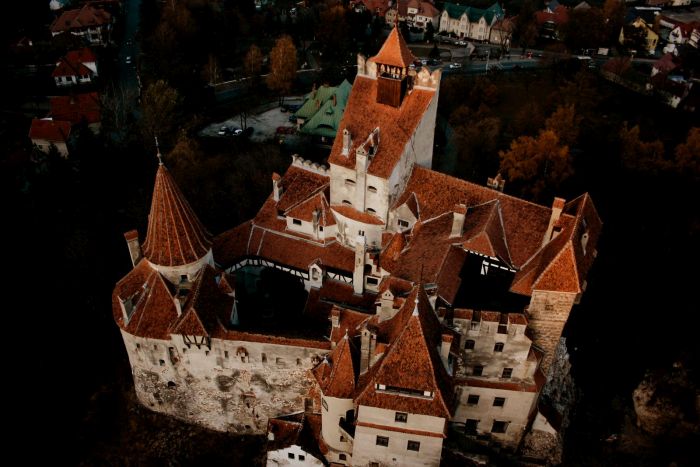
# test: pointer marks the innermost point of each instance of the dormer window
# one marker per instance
(403, 224)
(372, 189)
(296, 221)
(371, 211)
(347, 203)
(349, 182)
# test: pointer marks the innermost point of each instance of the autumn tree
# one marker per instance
(644, 156)
(476, 135)
(333, 33)
(687, 155)
(536, 165)
(529, 119)
(160, 112)
(283, 66)
(565, 123)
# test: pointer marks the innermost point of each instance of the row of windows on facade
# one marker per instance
(473, 399)
(476, 325)
(470, 343)
(410, 445)
(498, 426)
(351, 182)
(243, 356)
(478, 370)
(300, 457)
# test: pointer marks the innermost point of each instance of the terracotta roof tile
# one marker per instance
(396, 125)
(394, 52)
(317, 203)
(298, 185)
(354, 214)
(87, 16)
(73, 63)
(50, 130)
(448, 280)
(338, 380)
(175, 235)
(75, 109)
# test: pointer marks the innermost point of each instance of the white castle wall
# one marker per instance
(223, 388)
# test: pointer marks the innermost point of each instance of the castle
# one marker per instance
(370, 307)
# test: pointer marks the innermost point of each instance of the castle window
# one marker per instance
(361, 232)
(349, 182)
(138, 346)
(498, 347)
(296, 222)
(371, 189)
(320, 228)
(162, 362)
(474, 325)
(371, 211)
(184, 350)
(324, 404)
(473, 399)
(290, 455)
(206, 353)
(171, 384)
(155, 346)
(382, 441)
(507, 373)
(478, 370)
(264, 358)
(342, 457)
(401, 417)
(499, 401)
(347, 203)
(413, 446)
(470, 426)
(469, 344)
(301, 457)
(499, 426)
(225, 353)
(372, 281)
(403, 224)
(342, 438)
(298, 361)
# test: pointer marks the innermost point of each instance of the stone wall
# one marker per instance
(547, 314)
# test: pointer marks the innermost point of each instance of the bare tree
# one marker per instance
(118, 103)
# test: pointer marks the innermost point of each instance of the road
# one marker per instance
(128, 72)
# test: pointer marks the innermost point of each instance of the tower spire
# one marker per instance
(158, 155)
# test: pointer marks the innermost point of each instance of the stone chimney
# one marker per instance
(460, 212)
(386, 306)
(358, 276)
(551, 233)
(347, 142)
(368, 344)
(132, 242)
(276, 186)
(445, 348)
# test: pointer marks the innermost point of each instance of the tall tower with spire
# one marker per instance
(177, 244)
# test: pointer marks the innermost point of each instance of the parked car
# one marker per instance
(455, 65)
(128, 60)
(222, 131)
(461, 43)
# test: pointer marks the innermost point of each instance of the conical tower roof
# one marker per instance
(175, 235)
(394, 52)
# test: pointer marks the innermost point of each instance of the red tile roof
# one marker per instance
(397, 125)
(73, 63)
(75, 109)
(354, 214)
(317, 203)
(175, 235)
(394, 52)
(49, 130)
(448, 280)
(336, 373)
(85, 17)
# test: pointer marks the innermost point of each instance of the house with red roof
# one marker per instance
(92, 24)
(76, 67)
(372, 306)
(77, 108)
(416, 13)
(47, 132)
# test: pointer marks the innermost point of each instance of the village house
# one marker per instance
(47, 132)
(651, 38)
(416, 13)
(502, 32)
(410, 304)
(321, 112)
(551, 19)
(77, 108)
(92, 24)
(76, 67)
(469, 22)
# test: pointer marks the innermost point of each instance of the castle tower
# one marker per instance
(177, 244)
(393, 61)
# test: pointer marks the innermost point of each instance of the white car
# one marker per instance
(455, 65)
(461, 43)
(128, 60)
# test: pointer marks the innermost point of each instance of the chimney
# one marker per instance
(368, 344)
(445, 348)
(358, 276)
(347, 142)
(497, 183)
(557, 207)
(460, 211)
(276, 186)
(386, 306)
(132, 242)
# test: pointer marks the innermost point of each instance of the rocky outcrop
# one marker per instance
(667, 403)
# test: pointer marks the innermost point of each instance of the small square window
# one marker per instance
(296, 222)
(507, 373)
(342, 457)
(290, 455)
(401, 417)
(162, 362)
(473, 399)
(320, 228)
(469, 344)
(382, 441)
(499, 401)
(498, 347)
(413, 446)
(361, 233)
(403, 223)
(499, 426)
(471, 426)
(301, 457)
(478, 370)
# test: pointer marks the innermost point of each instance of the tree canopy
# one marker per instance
(283, 65)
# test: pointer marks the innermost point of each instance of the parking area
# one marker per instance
(265, 120)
